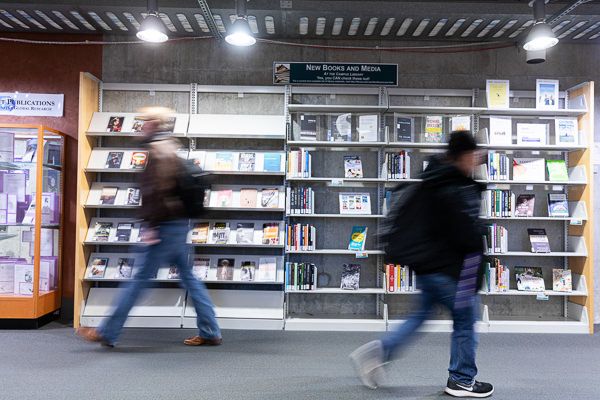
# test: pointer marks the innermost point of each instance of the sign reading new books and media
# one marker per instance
(335, 74)
(31, 104)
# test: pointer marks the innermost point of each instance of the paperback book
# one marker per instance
(566, 131)
(247, 271)
(530, 279)
(525, 205)
(200, 232)
(557, 170)
(246, 162)
(138, 160)
(98, 268)
(267, 269)
(245, 233)
(223, 161)
(200, 268)
(271, 233)
(272, 162)
(367, 128)
(102, 231)
(529, 169)
(562, 280)
(134, 197)
(173, 272)
(124, 231)
(225, 268)
(404, 128)
(355, 203)
(124, 268)
(539, 240)
(558, 205)
(108, 195)
(269, 198)
(341, 128)
(248, 197)
(114, 159)
(352, 167)
(433, 128)
(220, 233)
(350, 277)
(115, 124)
(308, 127)
(358, 238)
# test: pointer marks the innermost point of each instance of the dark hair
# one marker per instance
(461, 142)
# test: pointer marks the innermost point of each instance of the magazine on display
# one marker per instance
(358, 238)
(108, 195)
(138, 124)
(248, 197)
(355, 203)
(272, 162)
(225, 268)
(115, 124)
(200, 232)
(247, 272)
(102, 231)
(224, 198)
(220, 233)
(114, 159)
(566, 131)
(340, 128)
(267, 269)
(134, 197)
(200, 268)
(353, 167)
(558, 205)
(98, 268)
(271, 233)
(557, 170)
(124, 268)
(173, 272)
(460, 123)
(532, 134)
(308, 127)
(245, 233)
(138, 160)
(530, 279)
(269, 198)
(539, 240)
(500, 131)
(529, 169)
(223, 161)
(124, 231)
(562, 280)
(247, 162)
(350, 277)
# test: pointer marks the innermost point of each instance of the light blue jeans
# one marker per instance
(441, 289)
(171, 249)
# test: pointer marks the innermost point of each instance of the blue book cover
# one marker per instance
(272, 162)
(358, 238)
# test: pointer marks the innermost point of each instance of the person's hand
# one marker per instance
(150, 237)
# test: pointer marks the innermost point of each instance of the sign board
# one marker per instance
(300, 73)
(31, 104)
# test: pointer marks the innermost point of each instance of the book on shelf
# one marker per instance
(224, 198)
(497, 239)
(433, 128)
(272, 162)
(169, 125)
(267, 269)
(200, 268)
(225, 268)
(308, 127)
(246, 162)
(98, 267)
(299, 164)
(300, 200)
(23, 279)
(223, 161)
(108, 195)
(220, 233)
(530, 279)
(301, 237)
(353, 167)
(500, 131)
(52, 153)
(529, 169)
(29, 217)
(562, 280)
(358, 237)
(138, 124)
(397, 165)
(557, 170)
(115, 124)
(498, 203)
(124, 268)
(114, 159)
(269, 198)
(173, 272)
(340, 128)
(138, 160)
(248, 197)
(200, 232)
(460, 123)
(525, 205)
(546, 94)
(134, 197)
(498, 166)
(207, 193)
(124, 231)
(270, 233)
(539, 240)
(367, 128)
(247, 271)
(350, 277)
(497, 93)
(245, 233)
(400, 278)
(102, 231)
(532, 134)
(496, 277)
(355, 203)
(558, 205)
(405, 128)
(566, 131)
(300, 276)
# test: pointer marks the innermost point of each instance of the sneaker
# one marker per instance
(476, 389)
(368, 362)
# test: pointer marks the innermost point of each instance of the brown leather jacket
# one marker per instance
(160, 201)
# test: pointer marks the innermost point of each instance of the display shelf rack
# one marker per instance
(336, 108)
(357, 216)
(248, 209)
(325, 145)
(339, 291)
(111, 206)
(245, 173)
(114, 170)
(323, 179)
(238, 245)
(334, 252)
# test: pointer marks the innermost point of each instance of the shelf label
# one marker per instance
(535, 153)
(558, 188)
(362, 255)
(492, 187)
(528, 187)
(542, 296)
(337, 182)
(576, 222)
(31, 104)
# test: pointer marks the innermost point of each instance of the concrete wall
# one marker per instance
(208, 62)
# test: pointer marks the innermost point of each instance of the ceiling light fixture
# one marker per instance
(240, 34)
(152, 29)
(541, 36)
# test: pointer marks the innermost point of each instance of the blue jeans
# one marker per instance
(441, 289)
(171, 249)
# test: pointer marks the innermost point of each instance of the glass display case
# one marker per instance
(31, 217)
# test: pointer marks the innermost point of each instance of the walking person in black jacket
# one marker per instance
(452, 274)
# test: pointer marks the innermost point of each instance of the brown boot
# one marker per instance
(199, 341)
(91, 335)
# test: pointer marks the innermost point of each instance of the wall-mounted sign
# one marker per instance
(299, 73)
(32, 104)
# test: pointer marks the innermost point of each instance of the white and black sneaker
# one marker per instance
(476, 389)
(368, 362)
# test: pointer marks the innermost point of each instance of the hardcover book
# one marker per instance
(530, 279)
(115, 124)
(528, 134)
(200, 232)
(270, 198)
(566, 131)
(223, 161)
(350, 277)
(102, 231)
(220, 233)
(340, 128)
(138, 160)
(539, 240)
(200, 268)
(367, 128)
(353, 167)
(404, 128)
(98, 268)
(124, 231)
(558, 205)
(133, 197)
(245, 233)
(225, 269)
(247, 271)
(557, 170)
(224, 198)
(529, 169)
(271, 233)
(525, 205)
(358, 238)
(124, 268)
(267, 269)
(272, 162)
(108, 195)
(248, 197)
(562, 280)
(114, 159)
(500, 131)
(308, 127)
(246, 162)
(433, 128)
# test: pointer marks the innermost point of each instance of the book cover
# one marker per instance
(200, 232)
(246, 162)
(173, 272)
(134, 197)
(546, 94)
(525, 205)
(269, 198)
(557, 170)
(353, 167)
(350, 277)
(530, 279)
(532, 134)
(558, 205)
(404, 128)
(98, 268)
(247, 271)
(358, 238)
(248, 197)
(114, 159)
(460, 123)
(341, 128)
(355, 203)
(124, 231)
(566, 131)
(220, 233)
(367, 128)
(245, 232)
(562, 280)
(529, 169)
(539, 240)
(500, 131)
(200, 268)
(138, 160)
(108, 195)
(124, 268)
(102, 231)
(433, 128)
(225, 269)
(308, 127)
(267, 269)
(497, 93)
(138, 124)
(223, 161)
(23, 279)
(272, 162)
(115, 124)
(270, 233)
(169, 125)
(224, 198)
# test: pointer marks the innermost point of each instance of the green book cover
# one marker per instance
(557, 170)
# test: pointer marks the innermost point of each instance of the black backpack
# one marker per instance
(191, 185)
(405, 234)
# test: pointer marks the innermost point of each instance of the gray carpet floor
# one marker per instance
(50, 363)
